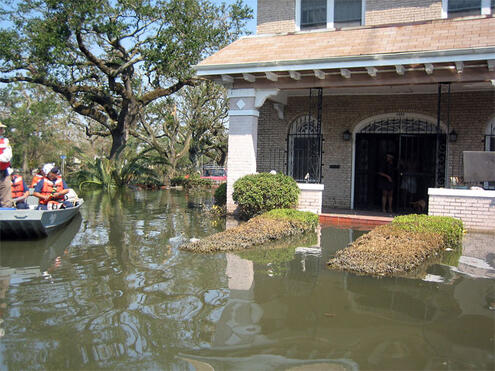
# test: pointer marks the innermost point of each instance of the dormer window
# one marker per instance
(312, 14)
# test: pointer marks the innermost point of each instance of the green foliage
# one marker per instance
(221, 195)
(109, 59)
(109, 174)
(258, 193)
(36, 125)
(306, 217)
(449, 228)
(194, 181)
(178, 181)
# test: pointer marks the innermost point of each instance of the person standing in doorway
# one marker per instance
(386, 182)
(5, 181)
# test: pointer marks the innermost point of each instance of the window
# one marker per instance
(329, 13)
(460, 8)
(493, 6)
(304, 150)
(347, 13)
(313, 13)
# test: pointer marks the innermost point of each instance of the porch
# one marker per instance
(326, 107)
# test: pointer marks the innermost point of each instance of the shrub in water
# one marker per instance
(221, 195)
(258, 193)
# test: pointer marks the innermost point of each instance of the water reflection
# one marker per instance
(124, 296)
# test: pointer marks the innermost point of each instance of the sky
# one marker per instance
(250, 3)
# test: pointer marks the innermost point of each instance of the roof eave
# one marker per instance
(371, 60)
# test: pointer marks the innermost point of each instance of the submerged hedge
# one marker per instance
(399, 247)
(268, 227)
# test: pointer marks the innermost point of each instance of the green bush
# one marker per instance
(258, 193)
(221, 195)
(449, 228)
(309, 218)
(194, 181)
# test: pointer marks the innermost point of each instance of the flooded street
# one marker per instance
(112, 290)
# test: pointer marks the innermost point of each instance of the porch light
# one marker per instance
(346, 135)
(453, 136)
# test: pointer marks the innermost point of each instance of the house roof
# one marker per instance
(429, 42)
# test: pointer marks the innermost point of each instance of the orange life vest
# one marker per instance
(49, 188)
(17, 186)
(36, 180)
(4, 143)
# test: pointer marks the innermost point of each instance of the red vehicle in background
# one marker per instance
(215, 173)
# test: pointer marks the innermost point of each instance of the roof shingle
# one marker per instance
(429, 36)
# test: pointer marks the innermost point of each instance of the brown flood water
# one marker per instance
(112, 290)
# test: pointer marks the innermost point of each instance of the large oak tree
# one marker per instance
(111, 58)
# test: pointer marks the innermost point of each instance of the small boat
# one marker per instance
(28, 223)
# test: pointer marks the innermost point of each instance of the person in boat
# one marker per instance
(5, 181)
(51, 191)
(20, 191)
(37, 177)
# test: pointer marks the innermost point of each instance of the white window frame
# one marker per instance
(330, 14)
(486, 8)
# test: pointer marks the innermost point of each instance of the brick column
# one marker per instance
(243, 133)
(243, 138)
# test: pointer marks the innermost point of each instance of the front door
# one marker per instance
(417, 167)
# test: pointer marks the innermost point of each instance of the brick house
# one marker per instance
(326, 88)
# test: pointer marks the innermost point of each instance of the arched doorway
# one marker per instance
(418, 145)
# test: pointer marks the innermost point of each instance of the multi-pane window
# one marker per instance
(313, 13)
(347, 13)
(457, 8)
(493, 6)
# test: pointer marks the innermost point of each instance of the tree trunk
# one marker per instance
(127, 119)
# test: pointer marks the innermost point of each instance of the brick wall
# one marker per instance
(476, 209)
(310, 198)
(469, 116)
(398, 11)
(276, 16)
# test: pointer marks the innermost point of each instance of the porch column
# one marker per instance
(243, 134)
(243, 138)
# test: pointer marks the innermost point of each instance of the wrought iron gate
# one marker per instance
(419, 148)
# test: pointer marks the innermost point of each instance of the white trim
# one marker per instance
(311, 187)
(298, 15)
(263, 94)
(330, 13)
(377, 60)
(445, 9)
(486, 7)
(460, 192)
(363, 12)
(241, 93)
(246, 112)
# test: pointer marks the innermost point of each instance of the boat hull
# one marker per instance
(25, 224)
